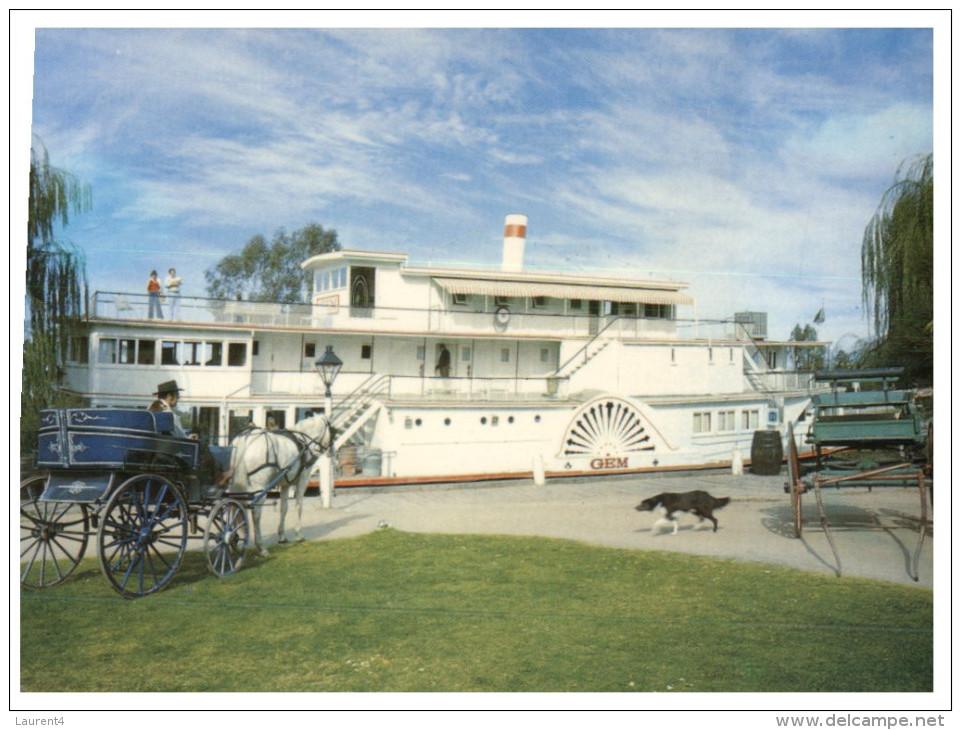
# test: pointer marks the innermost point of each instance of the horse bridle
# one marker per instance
(303, 442)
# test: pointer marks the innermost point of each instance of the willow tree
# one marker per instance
(55, 286)
(897, 273)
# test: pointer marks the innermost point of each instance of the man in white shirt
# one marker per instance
(172, 285)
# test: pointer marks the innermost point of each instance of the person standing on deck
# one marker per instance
(443, 362)
(172, 284)
(153, 296)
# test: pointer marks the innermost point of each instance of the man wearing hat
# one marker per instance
(168, 394)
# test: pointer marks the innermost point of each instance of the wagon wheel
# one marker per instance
(796, 487)
(226, 537)
(142, 535)
(53, 536)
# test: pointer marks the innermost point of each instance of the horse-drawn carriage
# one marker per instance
(865, 433)
(122, 477)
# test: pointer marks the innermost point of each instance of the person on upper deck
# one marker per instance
(153, 297)
(172, 285)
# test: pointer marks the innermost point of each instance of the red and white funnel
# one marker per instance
(515, 236)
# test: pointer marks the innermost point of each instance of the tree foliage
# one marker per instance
(271, 272)
(56, 273)
(807, 358)
(55, 288)
(897, 273)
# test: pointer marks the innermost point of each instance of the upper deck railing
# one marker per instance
(453, 321)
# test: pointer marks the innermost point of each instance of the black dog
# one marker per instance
(699, 503)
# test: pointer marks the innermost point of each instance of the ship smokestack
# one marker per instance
(515, 236)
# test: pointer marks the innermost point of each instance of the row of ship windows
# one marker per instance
(623, 309)
(123, 351)
(726, 421)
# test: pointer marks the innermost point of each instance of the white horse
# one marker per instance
(261, 456)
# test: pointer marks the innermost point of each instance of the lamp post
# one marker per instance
(328, 365)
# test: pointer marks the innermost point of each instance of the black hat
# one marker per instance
(169, 387)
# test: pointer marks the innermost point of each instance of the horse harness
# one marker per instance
(306, 457)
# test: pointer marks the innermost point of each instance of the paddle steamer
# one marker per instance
(544, 373)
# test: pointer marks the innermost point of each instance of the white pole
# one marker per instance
(538, 468)
(325, 463)
(325, 467)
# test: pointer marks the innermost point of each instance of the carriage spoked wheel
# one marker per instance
(142, 535)
(226, 537)
(796, 487)
(53, 536)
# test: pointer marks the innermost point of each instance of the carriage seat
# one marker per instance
(111, 438)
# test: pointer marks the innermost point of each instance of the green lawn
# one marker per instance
(396, 612)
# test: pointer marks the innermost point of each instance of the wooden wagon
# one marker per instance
(865, 433)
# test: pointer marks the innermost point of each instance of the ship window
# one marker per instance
(146, 352)
(192, 353)
(170, 353)
(749, 420)
(725, 421)
(538, 302)
(366, 351)
(127, 352)
(213, 353)
(702, 422)
(310, 349)
(545, 354)
(237, 353)
(657, 311)
(501, 301)
(459, 298)
(107, 351)
(576, 304)
(505, 354)
(420, 353)
(78, 350)
(465, 354)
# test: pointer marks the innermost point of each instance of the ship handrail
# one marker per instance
(576, 355)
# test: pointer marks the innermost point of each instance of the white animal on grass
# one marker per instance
(278, 459)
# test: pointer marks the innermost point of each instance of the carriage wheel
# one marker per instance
(226, 537)
(142, 535)
(796, 486)
(53, 536)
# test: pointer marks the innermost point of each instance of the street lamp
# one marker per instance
(328, 365)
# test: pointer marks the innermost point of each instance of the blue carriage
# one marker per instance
(122, 476)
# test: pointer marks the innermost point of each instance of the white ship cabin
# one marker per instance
(528, 355)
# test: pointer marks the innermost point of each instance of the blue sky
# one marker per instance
(746, 162)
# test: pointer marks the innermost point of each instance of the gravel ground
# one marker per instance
(876, 532)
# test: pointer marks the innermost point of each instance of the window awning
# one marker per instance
(588, 292)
